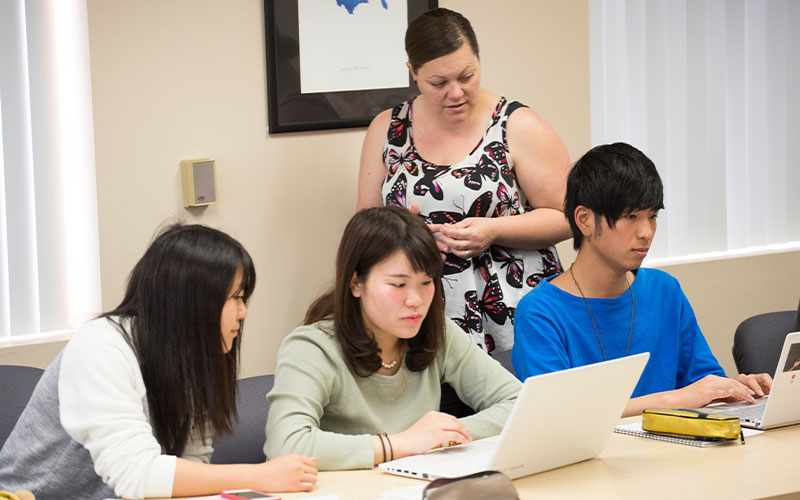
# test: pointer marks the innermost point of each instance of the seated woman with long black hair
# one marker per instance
(129, 407)
(360, 382)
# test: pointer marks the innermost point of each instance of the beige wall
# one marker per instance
(725, 292)
(162, 94)
(181, 79)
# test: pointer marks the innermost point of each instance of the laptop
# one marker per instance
(782, 406)
(558, 419)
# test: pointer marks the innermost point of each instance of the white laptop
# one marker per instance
(558, 419)
(782, 406)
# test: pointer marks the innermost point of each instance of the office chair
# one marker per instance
(797, 319)
(758, 340)
(16, 386)
(504, 358)
(451, 404)
(246, 444)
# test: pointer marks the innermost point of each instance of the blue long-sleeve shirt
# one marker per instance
(553, 331)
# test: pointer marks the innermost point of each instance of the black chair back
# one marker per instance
(797, 319)
(16, 386)
(451, 404)
(758, 341)
(246, 445)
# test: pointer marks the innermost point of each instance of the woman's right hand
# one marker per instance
(282, 474)
(286, 473)
(431, 431)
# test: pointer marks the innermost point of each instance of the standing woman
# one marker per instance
(130, 406)
(359, 383)
(487, 174)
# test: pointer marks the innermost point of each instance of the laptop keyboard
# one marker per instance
(447, 462)
(743, 409)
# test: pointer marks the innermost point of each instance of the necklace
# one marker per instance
(630, 334)
(391, 365)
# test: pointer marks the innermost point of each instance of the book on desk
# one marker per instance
(635, 429)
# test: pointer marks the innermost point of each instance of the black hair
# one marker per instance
(436, 33)
(371, 236)
(170, 316)
(612, 180)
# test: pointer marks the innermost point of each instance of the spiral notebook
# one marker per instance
(635, 429)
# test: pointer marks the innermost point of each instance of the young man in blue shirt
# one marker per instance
(606, 307)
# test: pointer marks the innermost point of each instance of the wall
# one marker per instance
(184, 79)
(725, 292)
(181, 79)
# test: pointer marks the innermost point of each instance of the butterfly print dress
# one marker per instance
(481, 293)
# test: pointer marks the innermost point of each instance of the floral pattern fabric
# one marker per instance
(480, 293)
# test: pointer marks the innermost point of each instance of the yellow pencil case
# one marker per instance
(691, 424)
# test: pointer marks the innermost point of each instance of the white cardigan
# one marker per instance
(102, 406)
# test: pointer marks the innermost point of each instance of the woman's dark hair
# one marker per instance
(170, 316)
(612, 180)
(437, 33)
(371, 236)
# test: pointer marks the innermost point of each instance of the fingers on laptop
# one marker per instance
(759, 383)
(452, 430)
(433, 429)
(714, 388)
(736, 390)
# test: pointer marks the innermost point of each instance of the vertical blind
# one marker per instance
(710, 91)
(49, 249)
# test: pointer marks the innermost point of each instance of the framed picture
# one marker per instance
(336, 63)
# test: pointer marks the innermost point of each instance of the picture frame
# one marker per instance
(290, 110)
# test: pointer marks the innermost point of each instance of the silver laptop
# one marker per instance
(782, 406)
(558, 419)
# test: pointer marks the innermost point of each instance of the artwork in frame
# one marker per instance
(336, 63)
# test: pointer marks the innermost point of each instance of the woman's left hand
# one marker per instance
(467, 238)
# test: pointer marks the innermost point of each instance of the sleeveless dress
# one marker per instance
(481, 293)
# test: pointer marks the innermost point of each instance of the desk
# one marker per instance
(631, 467)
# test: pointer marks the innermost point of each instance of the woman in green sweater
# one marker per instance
(359, 382)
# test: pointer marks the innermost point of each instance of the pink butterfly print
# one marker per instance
(473, 176)
(471, 321)
(428, 184)
(488, 340)
(506, 204)
(398, 129)
(406, 159)
(550, 266)
(397, 196)
(492, 303)
(499, 155)
(515, 268)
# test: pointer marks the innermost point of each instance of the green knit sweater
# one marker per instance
(319, 408)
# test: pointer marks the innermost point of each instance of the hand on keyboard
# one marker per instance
(759, 383)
